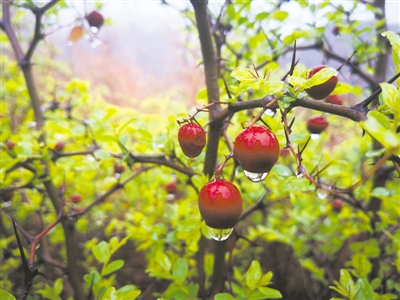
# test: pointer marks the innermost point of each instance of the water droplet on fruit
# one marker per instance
(315, 136)
(255, 177)
(300, 175)
(94, 29)
(7, 204)
(219, 234)
(170, 197)
(269, 112)
(322, 194)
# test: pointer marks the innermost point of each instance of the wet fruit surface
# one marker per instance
(257, 149)
(220, 204)
(192, 139)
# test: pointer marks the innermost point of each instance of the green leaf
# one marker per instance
(270, 293)
(101, 251)
(128, 292)
(58, 286)
(4, 295)
(266, 279)
(394, 40)
(280, 15)
(362, 265)
(346, 281)
(391, 97)
(224, 296)
(163, 260)
(124, 125)
(113, 266)
(253, 275)
(110, 294)
(380, 192)
(101, 154)
(363, 290)
(375, 283)
(180, 270)
(303, 3)
(378, 126)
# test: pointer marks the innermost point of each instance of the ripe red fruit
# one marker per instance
(192, 139)
(334, 99)
(75, 198)
(322, 90)
(10, 144)
(337, 205)
(118, 168)
(257, 149)
(220, 204)
(95, 19)
(59, 146)
(317, 124)
(171, 187)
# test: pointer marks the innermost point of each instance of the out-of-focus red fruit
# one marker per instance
(336, 30)
(334, 99)
(118, 168)
(220, 204)
(285, 152)
(337, 205)
(321, 91)
(317, 124)
(257, 149)
(75, 198)
(95, 19)
(192, 139)
(6, 195)
(10, 144)
(171, 187)
(59, 146)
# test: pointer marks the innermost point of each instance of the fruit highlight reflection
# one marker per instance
(219, 234)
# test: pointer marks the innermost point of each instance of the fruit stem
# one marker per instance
(346, 61)
(218, 170)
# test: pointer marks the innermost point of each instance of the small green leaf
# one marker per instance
(253, 275)
(347, 281)
(113, 266)
(224, 296)
(110, 294)
(375, 283)
(280, 15)
(101, 154)
(57, 287)
(180, 270)
(266, 279)
(380, 192)
(101, 251)
(391, 97)
(303, 3)
(163, 260)
(394, 40)
(4, 295)
(270, 293)
(363, 290)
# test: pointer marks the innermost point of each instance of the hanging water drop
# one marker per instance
(269, 112)
(219, 234)
(315, 136)
(7, 204)
(322, 194)
(94, 29)
(255, 177)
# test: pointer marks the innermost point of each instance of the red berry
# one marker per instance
(118, 168)
(317, 124)
(75, 198)
(337, 205)
(171, 187)
(10, 145)
(257, 149)
(192, 139)
(334, 99)
(220, 204)
(95, 19)
(59, 146)
(322, 90)
(285, 152)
